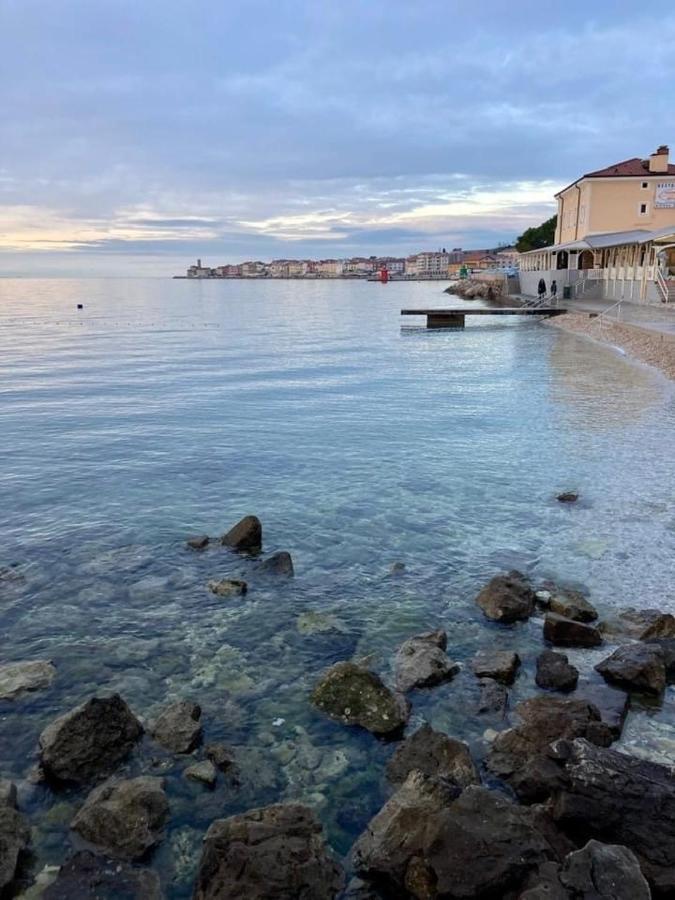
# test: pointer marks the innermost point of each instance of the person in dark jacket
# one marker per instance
(554, 290)
(541, 290)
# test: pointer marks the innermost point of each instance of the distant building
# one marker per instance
(428, 264)
(200, 271)
(395, 265)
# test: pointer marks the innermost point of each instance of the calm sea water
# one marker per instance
(168, 408)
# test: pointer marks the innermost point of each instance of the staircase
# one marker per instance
(666, 287)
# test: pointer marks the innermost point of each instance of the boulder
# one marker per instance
(433, 753)
(568, 497)
(522, 756)
(90, 741)
(421, 661)
(641, 624)
(228, 587)
(507, 598)
(494, 697)
(610, 702)
(124, 818)
(572, 605)
(667, 647)
(204, 772)
(201, 542)
(501, 665)
(274, 853)
(177, 728)
(87, 876)
(222, 756)
(564, 632)
(425, 843)
(604, 872)
(554, 672)
(245, 536)
(278, 564)
(21, 678)
(635, 667)
(620, 799)
(14, 837)
(397, 568)
(8, 793)
(353, 695)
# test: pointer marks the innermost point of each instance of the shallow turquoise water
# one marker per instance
(168, 408)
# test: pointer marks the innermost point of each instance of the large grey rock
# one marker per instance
(274, 853)
(279, 563)
(667, 647)
(124, 818)
(635, 667)
(14, 839)
(572, 605)
(425, 843)
(612, 704)
(177, 728)
(87, 876)
(564, 632)
(201, 542)
(245, 536)
(433, 753)
(604, 872)
(20, 678)
(554, 672)
(507, 598)
(353, 695)
(620, 799)
(89, 741)
(501, 665)
(641, 624)
(421, 661)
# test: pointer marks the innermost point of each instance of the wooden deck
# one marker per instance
(454, 317)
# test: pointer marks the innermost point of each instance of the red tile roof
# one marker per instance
(628, 168)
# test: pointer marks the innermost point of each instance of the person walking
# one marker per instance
(554, 291)
(541, 290)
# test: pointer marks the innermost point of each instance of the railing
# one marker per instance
(662, 285)
(617, 306)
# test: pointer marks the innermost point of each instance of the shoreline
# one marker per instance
(645, 345)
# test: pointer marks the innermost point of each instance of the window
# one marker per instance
(644, 209)
(645, 185)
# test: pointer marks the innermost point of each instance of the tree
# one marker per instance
(535, 238)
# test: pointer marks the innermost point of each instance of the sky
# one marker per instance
(136, 136)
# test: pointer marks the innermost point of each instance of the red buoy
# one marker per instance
(384, 275)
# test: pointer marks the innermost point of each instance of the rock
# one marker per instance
(274, 853)
(198, 543)
(14, 838)
(425, 843)
(177, 728)
(501, 665)
(397, 568)
(433, 753)
(203, 771)
(421, 661)
(564, 632)
(228, 587)
(23, 677)
(667, 647)
(573, 605)
(222, 756)
(521, 756)
(641, 624)
(635, 667)
(89, 741)
(543, 598)
(611, 703)
(507, 598)
(620, 799)
(87, 876)
(568, 497)
(245, 536)
(278, 564)
(353, 695)
(124, 818)
(555, 673)
(494, 697)
(315, 622)
(604, 872)
(7, 793)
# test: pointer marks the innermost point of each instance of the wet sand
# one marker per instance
(651, 347)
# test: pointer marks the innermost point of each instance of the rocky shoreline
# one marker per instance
(549, 811)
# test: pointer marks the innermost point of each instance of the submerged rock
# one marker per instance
(635, 667)
(222, 756)
(228, 587)
(494, 697)
(610, 702)
(124, 818)
(604, 872)
(204, 771)
(14, 836)
(572, 605)
(568, 497)
(177, 728)
(433, 753)
(316, 622)
(555, 673)
(24, 677)
(274, 853)
(245, 536)
(667, 648)
(421, 661)
(564, 632)
(397, 568)
(198, 543)
(640, 624)
(501, 665)
(353, 695)
(507, 598)
(87, 876)
(89, 741)
(278, 564)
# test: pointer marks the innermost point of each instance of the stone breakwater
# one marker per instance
(649, 347)
(548, 810)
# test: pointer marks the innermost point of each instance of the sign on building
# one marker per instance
(665, 195)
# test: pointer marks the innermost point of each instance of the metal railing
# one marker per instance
(663, 285)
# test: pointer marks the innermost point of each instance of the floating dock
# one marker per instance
(454, 318)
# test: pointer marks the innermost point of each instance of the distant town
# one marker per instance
(427, 265)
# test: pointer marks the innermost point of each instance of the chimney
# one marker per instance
(658, 162)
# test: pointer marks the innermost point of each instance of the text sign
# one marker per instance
(665, 195)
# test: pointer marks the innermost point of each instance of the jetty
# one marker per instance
(454, 318)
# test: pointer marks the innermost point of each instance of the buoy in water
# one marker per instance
(80, 305)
